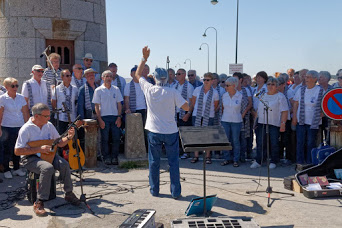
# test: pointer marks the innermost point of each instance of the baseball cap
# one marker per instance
(37, 67)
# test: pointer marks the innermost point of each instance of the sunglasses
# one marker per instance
(223, 81)
(40, 71)
(79, 68)
(228, 85)
(89, 60)
(15, 86)
(67, 75)
(179, 73)
(191, 75)
(206, 80)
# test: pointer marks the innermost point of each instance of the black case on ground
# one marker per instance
(326, 168)
(31, 186)
(288, 182)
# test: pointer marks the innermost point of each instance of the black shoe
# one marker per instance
(115, 161)
(107, 161)
(1, 180)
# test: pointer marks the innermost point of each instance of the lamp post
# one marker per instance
(208, 52)
(214, 2)
(189, 61)
(216, 44)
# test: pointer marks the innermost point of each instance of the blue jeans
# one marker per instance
(261, 141)
(243, 145)
(211, 121)
(110, 126)
(155, 142)
(308, 136)
(233, 134)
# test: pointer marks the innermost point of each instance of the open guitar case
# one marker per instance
(326, 168)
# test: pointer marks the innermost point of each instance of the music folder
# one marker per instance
(196, 205)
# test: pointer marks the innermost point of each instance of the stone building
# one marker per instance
(71, 27)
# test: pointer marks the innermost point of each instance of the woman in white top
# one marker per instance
(206, 100)
(339, 78)
(277, 116)
(232, 120)
(14, 113)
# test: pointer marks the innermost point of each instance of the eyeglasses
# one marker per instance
(46, 116)
(191, 75)
(272, 84)
(79, 68)
(179, 73)
(67, 75)
(88, 60)
(14, 86)
(228, 85)
(206, 80)
(40, 71)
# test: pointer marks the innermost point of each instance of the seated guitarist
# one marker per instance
(36, 128)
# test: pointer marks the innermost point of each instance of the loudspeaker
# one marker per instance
(32, 183)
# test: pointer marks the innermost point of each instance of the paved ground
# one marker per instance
(126, 191)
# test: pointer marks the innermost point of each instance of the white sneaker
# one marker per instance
(272, 166)
(255, 165)
(19, 172)
(8, 175)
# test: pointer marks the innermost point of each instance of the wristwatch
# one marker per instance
(143, 59)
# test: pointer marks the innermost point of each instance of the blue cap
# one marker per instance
(160, 74)
(134, 68)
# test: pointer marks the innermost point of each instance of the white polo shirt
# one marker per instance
(161, 102)
(12, 115)
(140, 97)
(179, 88)
(30, 132)
(107, 99)
(61, 98)
(255, 99)
(310, 100)
(39, 91)
(278, 104)
(205, 97)
(232, 108)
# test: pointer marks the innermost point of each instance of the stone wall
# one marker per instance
(26, 24)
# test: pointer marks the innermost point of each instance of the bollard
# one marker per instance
(90, 142)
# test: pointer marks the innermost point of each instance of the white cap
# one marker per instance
(37, 67)
(88, 56)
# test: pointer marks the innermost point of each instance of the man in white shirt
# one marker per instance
(36, 90)
(66, 95)
(118, 81)
(107, 99)
(77, 76)
(161, 102)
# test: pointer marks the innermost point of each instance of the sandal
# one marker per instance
(194, 160)
(225, 163)
(236, 164)
(208, 160)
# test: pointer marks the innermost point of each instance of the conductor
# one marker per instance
(161, 125)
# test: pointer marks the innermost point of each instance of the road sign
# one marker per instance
(235, 68)
(332, 104)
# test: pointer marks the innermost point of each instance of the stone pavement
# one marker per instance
(124, 191)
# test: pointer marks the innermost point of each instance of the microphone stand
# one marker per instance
(269, 190)
(56, 76)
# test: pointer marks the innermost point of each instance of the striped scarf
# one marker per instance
(316, 116)
(29, 89)
(67, 97)
(206, 110)
(132, 97)
(87, 97)
(218, 114)
(185, 96)
(118, 82)
(78, 83)
(246, 120)
(3, 89)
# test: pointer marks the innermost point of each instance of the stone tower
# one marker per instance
(72, 27)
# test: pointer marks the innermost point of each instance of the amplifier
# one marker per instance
(142, 218)
(32, 183)
(222, 222)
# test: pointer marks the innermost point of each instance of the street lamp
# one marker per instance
(214, 2)
(208, 52)
(189, 61)
(204, 35)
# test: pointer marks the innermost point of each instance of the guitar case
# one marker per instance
(326, 168)
(32, 182)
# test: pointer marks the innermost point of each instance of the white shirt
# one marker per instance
(39, 92)
(277, 103)
(232, 108)
(140, 97)
(205, 97)
(61, 98)
(107, 99)
(12, 115)
(82, 81)
(255, 99)
(178, 87)
(161, 102)
(30, 132)
(310, 100)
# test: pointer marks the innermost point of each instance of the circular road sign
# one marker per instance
(332, 104)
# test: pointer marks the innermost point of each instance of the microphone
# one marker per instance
(44, 52)
(259, 93)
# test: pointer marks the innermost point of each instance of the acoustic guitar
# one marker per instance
(46, 157)
(72, 144)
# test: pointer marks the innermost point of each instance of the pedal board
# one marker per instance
(222, 222)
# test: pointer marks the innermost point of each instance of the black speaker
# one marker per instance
(32, 182)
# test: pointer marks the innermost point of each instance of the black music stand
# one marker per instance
(204, 139)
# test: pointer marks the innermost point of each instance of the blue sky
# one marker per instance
(274, 35)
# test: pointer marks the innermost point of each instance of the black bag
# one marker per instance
(32, 183)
